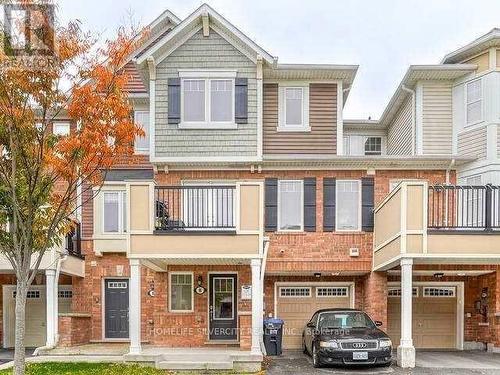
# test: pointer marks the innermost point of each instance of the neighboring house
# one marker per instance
(252, 196)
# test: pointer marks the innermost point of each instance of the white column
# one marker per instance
(257, 302)
(51, 306)
(406, 350)
(135, 306)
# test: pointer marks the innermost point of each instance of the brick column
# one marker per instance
(375, 296)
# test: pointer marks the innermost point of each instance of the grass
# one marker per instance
(52, 368)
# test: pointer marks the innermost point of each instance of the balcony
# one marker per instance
(195, 209)
(444, 224)
(193, 222)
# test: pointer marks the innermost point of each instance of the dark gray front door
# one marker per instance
(223, 311)
(116, 308)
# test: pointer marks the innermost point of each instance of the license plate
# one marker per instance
(360, 356)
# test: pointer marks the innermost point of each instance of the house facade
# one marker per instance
(251, 196)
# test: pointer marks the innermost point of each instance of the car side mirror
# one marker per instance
(311, 325)
(378, 323)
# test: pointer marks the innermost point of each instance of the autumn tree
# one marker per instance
(42, 174)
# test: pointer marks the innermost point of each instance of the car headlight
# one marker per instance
(329, 344)
(385, 343)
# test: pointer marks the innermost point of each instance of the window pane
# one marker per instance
(221, 100)
(348, 205)
(111, 212)
(142, 119)
(373, 146)
(223, 298)
(290, 207)
(194, 100)
(474, 91)
(356, 145)
(61, 129)
(294, 106)
(181, 290)
(346, 146)
(474, 112)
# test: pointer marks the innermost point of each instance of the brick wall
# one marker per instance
(74, 330)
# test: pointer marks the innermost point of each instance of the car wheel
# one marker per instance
(315, 357)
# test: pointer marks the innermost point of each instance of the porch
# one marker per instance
(227, 358)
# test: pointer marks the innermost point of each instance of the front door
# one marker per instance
(116, 308)
(223, 310)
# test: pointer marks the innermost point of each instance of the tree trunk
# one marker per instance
(19, 353)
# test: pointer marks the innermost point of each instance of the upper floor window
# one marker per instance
(373, 146)
(114, 212)
(290, 205)
(359, 145)
(474, 100)
(207, 99)
(61, 128)
(141, 144)
(348, 205)
(294, 108)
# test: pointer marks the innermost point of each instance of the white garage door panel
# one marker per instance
(434, 321)
(297, 311)
(36, 314)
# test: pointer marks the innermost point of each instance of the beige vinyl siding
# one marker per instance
(482, 61)
(498, 58)
(199, 52)
(399, 135)
(473, 143)
(437, 118)
(322, 139)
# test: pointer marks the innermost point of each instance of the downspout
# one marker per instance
(37, 351)
(452, 164)
(413, 117)
(264, 259)
(447, 192)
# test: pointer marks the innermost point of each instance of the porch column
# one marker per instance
(51, 306)
(135, 306)
(257, 302)
(406, 350)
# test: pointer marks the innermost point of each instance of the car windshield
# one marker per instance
(344, 320)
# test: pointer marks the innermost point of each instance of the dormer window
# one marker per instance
(207, 99)
(293, 108)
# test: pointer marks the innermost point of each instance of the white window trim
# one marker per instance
(347, 150)
(414, 291)
(295, 287)
(143, 151)
(66, 125)
(360, 205)
(121, 203)
(301, 207)
(346, 288)
(426, 288)
(170, 291)
(381, 144)
(282, 126)
(208, 76)
(467, 124)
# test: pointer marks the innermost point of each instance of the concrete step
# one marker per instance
(194, 365)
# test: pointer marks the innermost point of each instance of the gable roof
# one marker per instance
(191, 22)
(490, 39)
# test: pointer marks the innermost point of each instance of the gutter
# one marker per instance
(413, 117)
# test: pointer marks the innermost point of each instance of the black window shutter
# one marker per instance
(271, 204)
(241, 101)
(329, 187)
(174, 100)
(310, 204)
(367, 199)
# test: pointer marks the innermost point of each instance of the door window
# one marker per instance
(223, 298)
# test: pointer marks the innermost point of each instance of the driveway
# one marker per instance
(428, 363)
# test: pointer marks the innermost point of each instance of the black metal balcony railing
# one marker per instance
(464, 207)
(73, 242)
(194, 208)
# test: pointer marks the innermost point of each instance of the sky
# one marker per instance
(383, 37)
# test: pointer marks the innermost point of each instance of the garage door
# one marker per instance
(36, 313)
(434, 316)
(297, 304)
